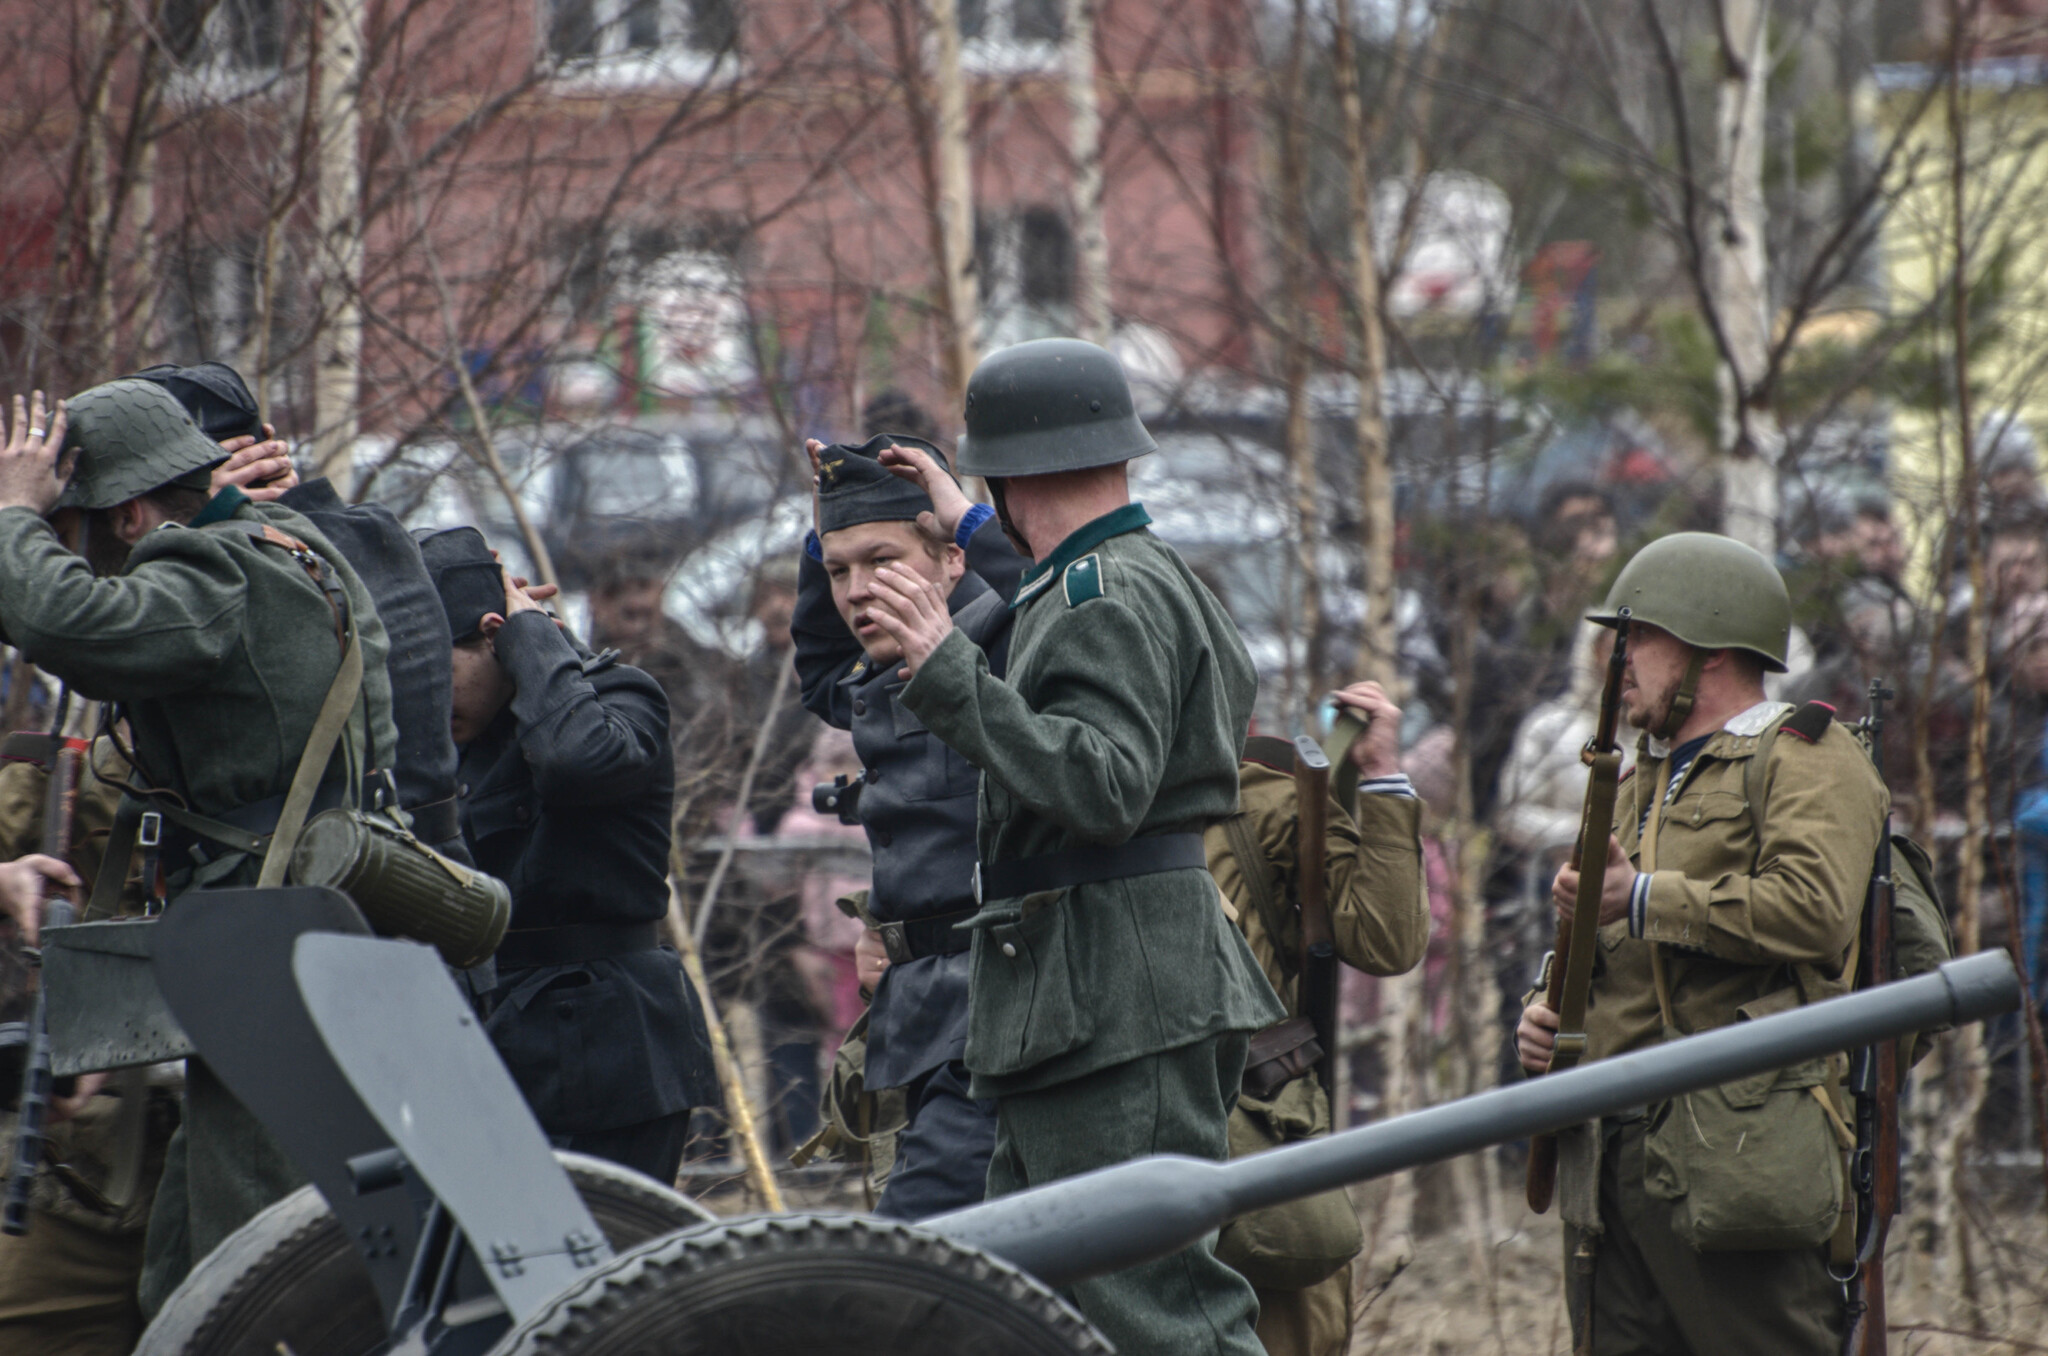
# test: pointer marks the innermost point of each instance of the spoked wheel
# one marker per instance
(806, 1285)
(289, 1281)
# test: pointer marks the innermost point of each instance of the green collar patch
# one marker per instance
(1083, 540)
(1083, 580)
(220, 508)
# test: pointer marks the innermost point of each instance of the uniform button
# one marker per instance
(860, 706)
(884, 837)
(523, 814)
(874, 776)
(1009, 948)
(462, 790)
(565, 1009)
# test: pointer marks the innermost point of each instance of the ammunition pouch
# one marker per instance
(404, 887)
(1296, 1245)
(857, 1124)
(1278, 1055)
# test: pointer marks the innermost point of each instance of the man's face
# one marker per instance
(627, 612)
(2016, 565)
(854, 554)
(1877, 546)
(481, 689)
(1593, 536)
(1651, 674)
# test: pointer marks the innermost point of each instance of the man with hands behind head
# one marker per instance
(916, 795)
(1111, 996)
(567, 783)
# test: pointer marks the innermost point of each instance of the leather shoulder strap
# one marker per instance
(1258, 881)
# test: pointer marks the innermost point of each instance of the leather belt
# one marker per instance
(916, 938)
(1088, 863)
(530, 948)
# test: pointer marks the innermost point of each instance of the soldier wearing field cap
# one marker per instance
(1745, 838)
(218, 628)
(568, 783)
(1112, 998)
(916, 797)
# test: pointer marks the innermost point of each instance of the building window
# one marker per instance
(1010, 35)
(1026, 261)
(682, 298)
(225, 46)
(639, 41)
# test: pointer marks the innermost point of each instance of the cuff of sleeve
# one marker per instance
(1639, 903)
(970, 523)
(943, 683)
(813, 547)
(1396, 785)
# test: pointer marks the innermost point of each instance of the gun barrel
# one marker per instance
(1131, 1213)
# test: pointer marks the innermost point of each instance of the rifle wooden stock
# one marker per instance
(36, 1082)
(1568, 973)
(1318, 940)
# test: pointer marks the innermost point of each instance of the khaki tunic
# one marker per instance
(1373, 880)
(1756, 909)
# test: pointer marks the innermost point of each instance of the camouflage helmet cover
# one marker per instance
(132, 436)
(1049, 405)
(1710, 591)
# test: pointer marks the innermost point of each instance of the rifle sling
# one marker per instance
(1252, 865)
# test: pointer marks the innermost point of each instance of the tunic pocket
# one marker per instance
(1026, 1007)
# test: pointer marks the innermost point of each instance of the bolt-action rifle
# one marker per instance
(1318, 941)
(1874, 1088)
(1564, 986)
(61, 799)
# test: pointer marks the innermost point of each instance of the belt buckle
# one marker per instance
(896, 942)
(150, 833)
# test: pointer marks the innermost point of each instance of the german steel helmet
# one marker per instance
(1049, 405)
(1710, 591)
(132, 436)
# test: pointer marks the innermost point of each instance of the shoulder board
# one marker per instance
(1269, 752)
(1810, 721)
(1082, 580)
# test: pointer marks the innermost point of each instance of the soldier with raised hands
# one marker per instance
(915, 797)
(1735, 881)
(218, 627)
(1112, 998)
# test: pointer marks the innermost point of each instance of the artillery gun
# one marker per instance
(438, 1222)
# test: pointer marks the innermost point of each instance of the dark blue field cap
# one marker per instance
(469, 581)
(854, 487)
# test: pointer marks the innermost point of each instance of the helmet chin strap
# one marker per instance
(1002, 507)
(1682, 700)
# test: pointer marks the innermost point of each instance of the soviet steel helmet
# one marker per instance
(132, 436)
(1710, 591)
(1049, 405)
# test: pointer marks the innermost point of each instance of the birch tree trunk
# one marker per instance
(1092, 319)
(1738, 277)
(336, 65)
(953, 202)
(1298, 433)
(1377, 649)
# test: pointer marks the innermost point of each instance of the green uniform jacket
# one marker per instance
(1128, 696)
(1372, 880)
(1754, 918)
(220, 649)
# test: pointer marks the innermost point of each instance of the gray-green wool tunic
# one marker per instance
(1127, 700)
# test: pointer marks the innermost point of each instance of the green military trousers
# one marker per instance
(1175, 1102)
(221, 1169)
(1654, 1295)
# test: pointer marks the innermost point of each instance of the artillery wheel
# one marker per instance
(794, 1285)
(288, 1280)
